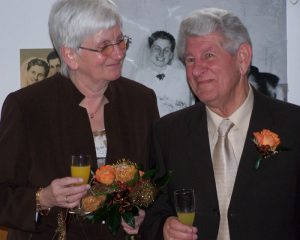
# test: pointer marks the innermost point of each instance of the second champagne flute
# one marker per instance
(185, 205)
(80, 167)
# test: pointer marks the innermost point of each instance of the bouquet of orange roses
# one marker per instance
(118, 191)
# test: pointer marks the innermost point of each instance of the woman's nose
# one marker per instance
(118, 52)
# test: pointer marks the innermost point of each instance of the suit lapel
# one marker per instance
(198, 152)
(261, 118)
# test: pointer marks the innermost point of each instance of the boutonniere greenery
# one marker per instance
(268, 144)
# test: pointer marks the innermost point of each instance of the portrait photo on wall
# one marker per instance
(165, 77)
(155, 63)
(37, 64)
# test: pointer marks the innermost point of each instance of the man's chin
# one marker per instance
(205, 97)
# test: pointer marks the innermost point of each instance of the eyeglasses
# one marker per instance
(107, 50)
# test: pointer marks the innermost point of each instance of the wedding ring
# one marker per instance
(66, 199)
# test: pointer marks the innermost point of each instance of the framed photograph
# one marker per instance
(37, 64)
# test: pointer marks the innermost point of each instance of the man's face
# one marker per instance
(54, 65)
(214, 74)
(161, 53)
(35, 74)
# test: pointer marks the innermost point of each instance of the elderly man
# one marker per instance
(247, 186)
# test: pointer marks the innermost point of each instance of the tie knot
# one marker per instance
(224, 127)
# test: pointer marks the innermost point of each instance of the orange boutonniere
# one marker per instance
(267, 144)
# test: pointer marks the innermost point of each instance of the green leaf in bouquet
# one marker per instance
(162, 181)
(114, 219)
(102, 189)
(140, 166)
(150, 173)
(128, 217)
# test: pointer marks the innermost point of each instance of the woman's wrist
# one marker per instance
(39, 207)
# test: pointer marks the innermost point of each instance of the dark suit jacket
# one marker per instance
(42, 125)
(265, 203)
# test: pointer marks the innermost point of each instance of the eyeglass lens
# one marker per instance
(122, 45)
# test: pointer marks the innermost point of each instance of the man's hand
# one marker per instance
(175, 230)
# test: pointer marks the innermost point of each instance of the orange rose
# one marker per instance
(105, 174)
(91, 203)
(125, 172)
(267, 138)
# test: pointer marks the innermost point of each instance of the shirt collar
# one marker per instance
(240, 118)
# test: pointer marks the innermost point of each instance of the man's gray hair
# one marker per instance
(213, 20)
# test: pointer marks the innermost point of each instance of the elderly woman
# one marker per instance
(79, 111)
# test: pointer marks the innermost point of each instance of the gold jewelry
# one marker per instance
(92, 115)
(43, 212)
(102, 102)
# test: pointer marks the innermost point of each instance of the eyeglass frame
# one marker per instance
(100, 50)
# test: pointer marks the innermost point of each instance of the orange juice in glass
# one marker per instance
(82, 172)
(185, 205)
(80, 167)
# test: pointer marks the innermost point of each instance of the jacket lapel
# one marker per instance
(198, 152)
(261, 118)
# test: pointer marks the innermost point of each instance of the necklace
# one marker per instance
(88, 105)
(92, 114)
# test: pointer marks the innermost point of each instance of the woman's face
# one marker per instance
(35, 74)
(161, 53)
(101, 66)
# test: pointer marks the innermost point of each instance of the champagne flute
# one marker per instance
(185, 205)
(80, 167)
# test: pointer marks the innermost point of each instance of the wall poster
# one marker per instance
(265, 20)
(151, 58)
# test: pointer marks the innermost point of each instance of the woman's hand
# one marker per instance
(138, 221)
(63, 192)
(174, 229)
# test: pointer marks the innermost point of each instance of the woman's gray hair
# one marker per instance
(72, 21)
(213, 20)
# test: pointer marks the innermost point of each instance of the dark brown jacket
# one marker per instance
(42, 125)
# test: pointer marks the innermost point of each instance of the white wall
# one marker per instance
(23, 24)
(293, 50)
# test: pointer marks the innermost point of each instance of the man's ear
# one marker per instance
(69, 56)
(244, 57)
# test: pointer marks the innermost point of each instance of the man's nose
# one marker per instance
(199, 68)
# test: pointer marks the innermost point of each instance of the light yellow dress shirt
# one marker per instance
(237, 135)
